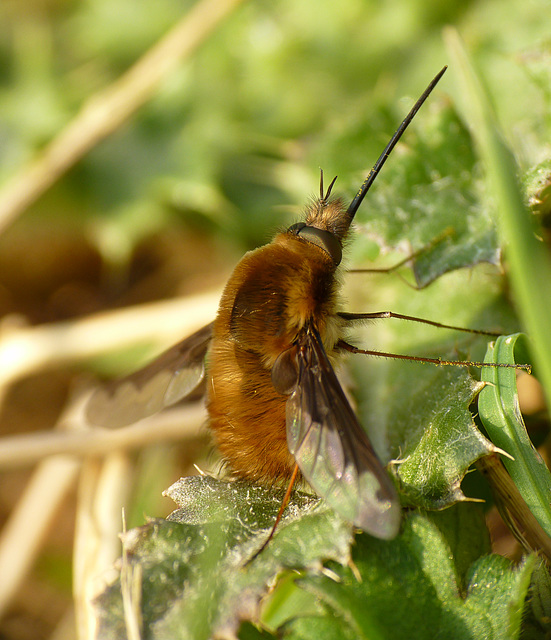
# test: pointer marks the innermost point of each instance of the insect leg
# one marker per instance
(282, 508)
(377, 315)
(341, 344)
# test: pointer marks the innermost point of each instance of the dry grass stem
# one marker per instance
(103, 489)
(23, 351)
(23, 534)
(177, 424)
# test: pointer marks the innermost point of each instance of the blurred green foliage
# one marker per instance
(230, 147)
(240, 131)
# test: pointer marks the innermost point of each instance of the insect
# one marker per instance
(275, 405)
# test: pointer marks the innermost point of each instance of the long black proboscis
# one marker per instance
(358, 198)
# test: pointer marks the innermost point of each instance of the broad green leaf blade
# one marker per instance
(423, 410)
(406, 406)
(497, 593)
(538, 623)
(529, 259)
(463, 528)
(328, 627)
(537, 191)
(195, 581)
(440, 447)
(288, 601)
(500, 413)
(409, 587)
(430, 190)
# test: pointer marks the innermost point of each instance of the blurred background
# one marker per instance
(221, 150)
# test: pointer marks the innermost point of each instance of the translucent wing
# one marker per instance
(174, 375)
(332, 450)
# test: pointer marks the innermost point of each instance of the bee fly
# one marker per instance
(275, 406)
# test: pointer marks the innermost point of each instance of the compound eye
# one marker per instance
(324, 240)
(295, 228)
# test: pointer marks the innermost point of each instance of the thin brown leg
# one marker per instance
(341, 344)
(284, 504)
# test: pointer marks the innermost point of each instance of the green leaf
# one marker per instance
(419, 414)
(500, 413)
(538, 623)
(250, 632)
(411, 587)
(537, 188)
(196, 576)
(463, 528)
(496, 593)
(193, 580)
(529, 258)
(431, 190)
(442, 440)
(288, 601)
(329, 627)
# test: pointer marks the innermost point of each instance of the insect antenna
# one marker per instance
(325, 196)
(351, 211)
(358, 198)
